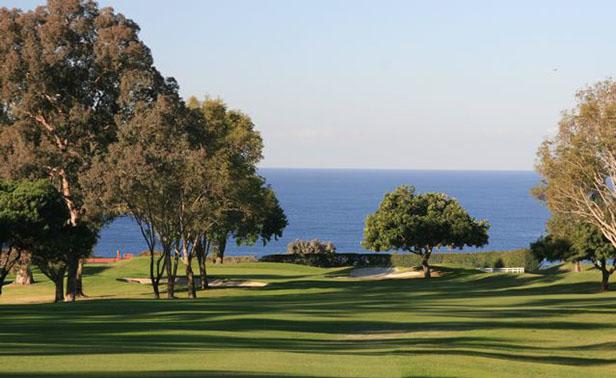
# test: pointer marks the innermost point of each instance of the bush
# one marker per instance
(471, 260)
(315, 246)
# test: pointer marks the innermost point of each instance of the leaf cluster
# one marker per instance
(419, 223)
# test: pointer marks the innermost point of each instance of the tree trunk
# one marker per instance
(78, 280)
(8, 258)
(3, 271)
(222, 246)
(605, 282)
(156, 289)
(24, 270)
(24, 275)
(216, 256)
(71, 284)
(176, 263)
(200, 252)
(203, 272)
(3, 274)
(602, 265)
(170, 274)
(577, 266)
(425, 265)
(605, 279)
(201, 265)
(74, 285)
(59, 284)
(190, 278)
(154, 279)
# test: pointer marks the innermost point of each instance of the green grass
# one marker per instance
(309, 323)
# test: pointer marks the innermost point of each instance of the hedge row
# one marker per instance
(210, 259)
(332, 259)
(517, 258)
(497, 259)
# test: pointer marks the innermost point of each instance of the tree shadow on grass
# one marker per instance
(91, 270)
(169, 373)
(320, 317)
(541, 359)
(158, 374)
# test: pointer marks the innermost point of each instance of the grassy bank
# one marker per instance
(307, 322)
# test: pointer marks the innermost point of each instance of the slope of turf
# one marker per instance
(307, 322)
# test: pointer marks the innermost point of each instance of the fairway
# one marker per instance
(309, 323)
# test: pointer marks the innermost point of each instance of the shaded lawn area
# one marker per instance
(309, 323)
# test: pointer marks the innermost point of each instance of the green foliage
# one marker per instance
(311, 247)
(30, 210)
(187, 174)
(73, 75)
(251, 211)
(550, 248)
(35, 218)
(30, 213)
(53, 255)
(418, 223)
(577, 164)
(573, 241)
(158, 173)
(274, 219)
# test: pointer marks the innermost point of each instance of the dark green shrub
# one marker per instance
(499, 263)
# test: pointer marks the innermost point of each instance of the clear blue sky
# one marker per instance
(385, 84)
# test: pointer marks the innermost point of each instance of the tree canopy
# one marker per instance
(140, 176)
(578, 164)
(187, 175)
(72, 74)
(30, 211)
(420, 223)
(575, 241)
(252, 211)
(34, 217)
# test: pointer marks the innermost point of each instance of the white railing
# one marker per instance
(503, 270)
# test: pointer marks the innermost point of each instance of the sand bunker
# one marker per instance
(383, 273)
(210, 283)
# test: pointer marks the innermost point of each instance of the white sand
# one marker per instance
(211, 283)
(383, 273)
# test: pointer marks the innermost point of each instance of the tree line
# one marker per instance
(83, 108)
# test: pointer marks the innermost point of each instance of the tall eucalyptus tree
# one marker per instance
(71, 74)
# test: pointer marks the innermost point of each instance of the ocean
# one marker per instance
(331, 204)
